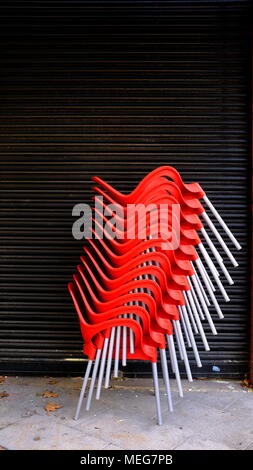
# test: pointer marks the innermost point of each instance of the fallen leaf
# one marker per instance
(4, 395)
(2, 448)
(51, 406)
(246, 383)
(36, 438)
(2, 379)
(47, 394)
(52, 382)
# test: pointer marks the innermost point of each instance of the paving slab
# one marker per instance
(250, 446)
(232, 427)
(128, 433)
(214, 414)
(198, 443)
(44, 433)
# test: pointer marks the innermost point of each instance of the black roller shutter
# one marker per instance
(113, 89)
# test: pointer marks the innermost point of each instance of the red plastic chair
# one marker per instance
(132, 295)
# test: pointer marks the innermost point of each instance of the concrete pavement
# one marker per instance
(214, 414)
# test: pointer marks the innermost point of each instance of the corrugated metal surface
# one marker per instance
(113, 89)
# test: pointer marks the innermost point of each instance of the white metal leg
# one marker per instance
(171, 359)
(192, 339)
(219, 238)
(208, 260)
(131, 335)
(102, 368)
(184, 327)
(223, 224)
(195, 298)
(166, 378)
(178, 340)
(200, 327)
(212, 247)
(213, 298)
(93, 379)
(189, 310)
(117, 350)
(186, 361)
(205, 273)
(109, 359)
(214, 271)
(204, 306)
(201, 287)
(217, 256)
(157, 394)
(172, 351)
(124, 345)
(85, 381)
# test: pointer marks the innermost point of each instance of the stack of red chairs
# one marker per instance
(137, 295)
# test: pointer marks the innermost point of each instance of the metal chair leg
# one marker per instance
(109, 359)
(102, 368)
(157, 394)
(172, 350)
(93, 379)
(85, 381)
(166, 378)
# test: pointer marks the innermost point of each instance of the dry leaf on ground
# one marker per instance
(48, 394)
(52, 382)
(4, 395)
(51, 406)
(36, 438)
(2, 379)
(2, 448)
(246, 383)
